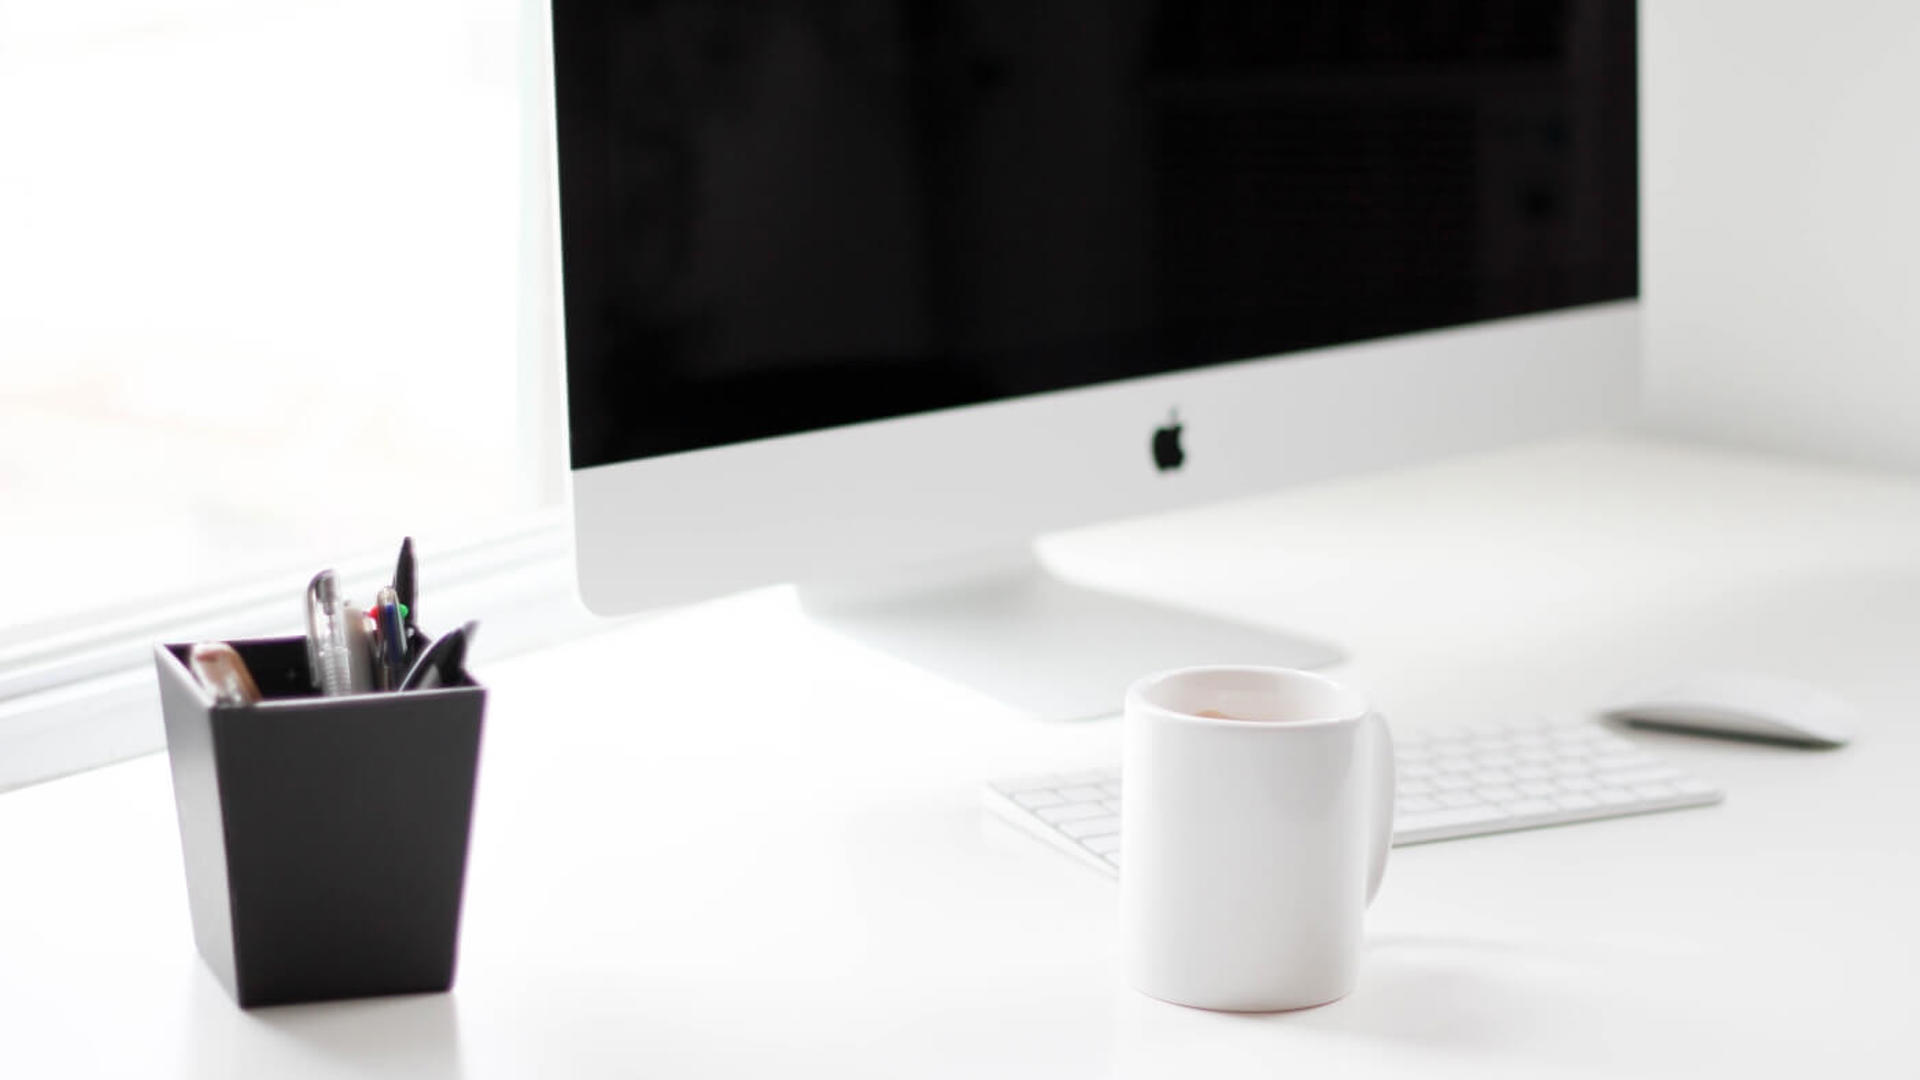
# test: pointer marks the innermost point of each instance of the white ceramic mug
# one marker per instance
(1256, 813)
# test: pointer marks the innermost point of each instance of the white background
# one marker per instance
(258, 273)
(1780, 173)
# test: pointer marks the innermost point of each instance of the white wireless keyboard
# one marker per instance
(1454, 784)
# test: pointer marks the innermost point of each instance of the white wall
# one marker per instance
(1781, 172)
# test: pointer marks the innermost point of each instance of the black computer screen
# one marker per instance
(784, 215)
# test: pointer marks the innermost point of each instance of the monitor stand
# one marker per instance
(1001, 623)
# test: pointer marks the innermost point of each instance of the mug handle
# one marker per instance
(1383, 784)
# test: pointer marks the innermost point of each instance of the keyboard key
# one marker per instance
(1630, 777)
(1483, 777)
(1612, 796)
(1058, 815)
(1573, 801)
(1034, 800)
(1622, 762)
(1415, 771)
(1084, 793)
(1654, 791)
(1451, 782)
(1533, 755)
(1496, 761)
(1496, 793)
(1028, 783)
(1537, 789)
(1528, 807)
(1578, 783)
(1455, 816)
(1530, 772)
(1458, 798)
(1414, 805)
(1413, 787)
(1100, 826)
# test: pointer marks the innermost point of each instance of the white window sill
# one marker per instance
(87, 698)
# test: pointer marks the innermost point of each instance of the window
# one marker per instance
(264, 275)
(260, 294)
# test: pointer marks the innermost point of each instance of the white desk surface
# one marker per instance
(722, 842)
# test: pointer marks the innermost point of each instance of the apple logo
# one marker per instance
(1166, 443)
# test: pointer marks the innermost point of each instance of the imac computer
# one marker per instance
(864, 295)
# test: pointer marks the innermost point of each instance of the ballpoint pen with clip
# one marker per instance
(389, 640)
(336, 640)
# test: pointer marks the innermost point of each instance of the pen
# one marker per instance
(337, 640)
(389, 640)
(321, 585)
(221, 670)
(440, 664)
(406, 587)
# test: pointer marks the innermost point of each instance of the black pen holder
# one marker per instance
(325, 838)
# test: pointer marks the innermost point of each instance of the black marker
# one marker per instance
(403, 582)
(442, 661)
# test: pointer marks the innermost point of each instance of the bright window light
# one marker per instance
(258, 273)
